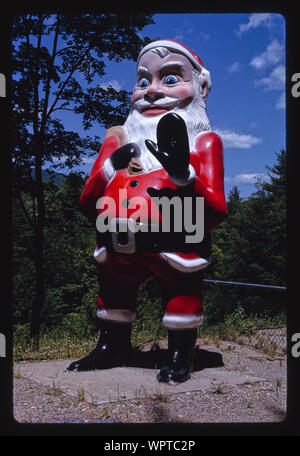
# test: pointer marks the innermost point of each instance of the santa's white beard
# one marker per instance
(139, 127)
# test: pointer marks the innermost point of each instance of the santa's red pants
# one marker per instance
(120, 277)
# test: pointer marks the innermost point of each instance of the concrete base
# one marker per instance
(123, 383)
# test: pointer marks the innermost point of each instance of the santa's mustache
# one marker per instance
(163, 103)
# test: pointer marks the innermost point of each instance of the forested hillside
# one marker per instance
(249, 246)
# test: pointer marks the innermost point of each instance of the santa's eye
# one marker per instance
(171, 79)
(142, 83)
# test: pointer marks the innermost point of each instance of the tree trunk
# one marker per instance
(39, 287)
(39, 254)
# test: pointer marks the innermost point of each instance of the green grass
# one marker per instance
(161, 397)
(62, 343)
(51, 347)
(81, 394)
(57, 344)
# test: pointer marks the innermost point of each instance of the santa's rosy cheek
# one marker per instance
(133, 98)
(137, 94)
(182, 93)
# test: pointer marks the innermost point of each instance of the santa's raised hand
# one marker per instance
(122, 156)
(172, 148)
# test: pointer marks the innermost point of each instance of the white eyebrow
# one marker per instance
(141, 68)
(172, 64)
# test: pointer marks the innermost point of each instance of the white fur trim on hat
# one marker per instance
(172, 45)
(178, 47)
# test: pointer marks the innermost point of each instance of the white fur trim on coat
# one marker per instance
(184, 264)
(184, 182)
(173, 321)
(108, 169)
(100, 255)
(120, 315)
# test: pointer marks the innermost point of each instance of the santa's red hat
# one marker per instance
(175, 46)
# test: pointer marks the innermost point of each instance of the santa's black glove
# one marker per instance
(122, 156)
(172, 148)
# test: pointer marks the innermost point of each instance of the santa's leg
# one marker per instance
(112, 349)
(116, 311)
(181, 344)
(181, 296)
(182, 317)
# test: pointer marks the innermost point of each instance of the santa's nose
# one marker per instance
(154, 93)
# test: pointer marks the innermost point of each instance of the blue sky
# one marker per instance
(245, 54)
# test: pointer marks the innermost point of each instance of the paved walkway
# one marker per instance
(137, 381)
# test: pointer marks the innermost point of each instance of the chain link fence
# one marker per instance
(248, 313)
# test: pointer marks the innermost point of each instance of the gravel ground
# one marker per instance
(264, 401)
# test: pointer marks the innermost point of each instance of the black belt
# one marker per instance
(149, 239)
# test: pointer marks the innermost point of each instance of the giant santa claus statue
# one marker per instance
(165, 148)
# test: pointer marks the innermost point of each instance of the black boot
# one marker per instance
(112, 350)
(181, 344)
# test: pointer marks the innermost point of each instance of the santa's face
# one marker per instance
(162, 84)
(165, 83)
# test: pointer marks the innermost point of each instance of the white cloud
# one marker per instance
(249, 179)
(178, 37)
(64, 158)
(113, 83)
(204, 36)
(234, 68)
(281, 101)
(188, 28)
(271, 56)
(88, 160)
(232, 140)
(254, 21)
(276, 80)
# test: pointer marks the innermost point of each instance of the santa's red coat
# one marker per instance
(177, 273)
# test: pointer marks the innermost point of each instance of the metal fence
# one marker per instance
(250, 313)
